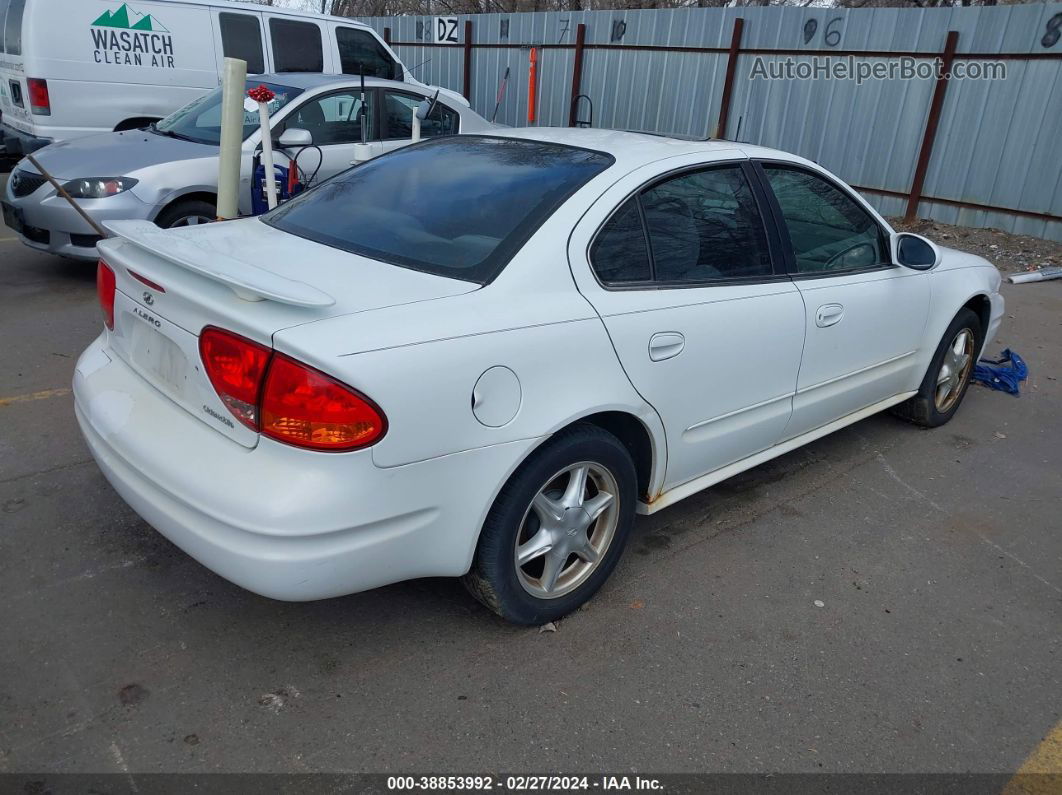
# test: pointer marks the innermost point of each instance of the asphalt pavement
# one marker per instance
(886, 599)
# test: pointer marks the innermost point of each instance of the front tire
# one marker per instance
(557, 529)
(187, 213)
(948, 376)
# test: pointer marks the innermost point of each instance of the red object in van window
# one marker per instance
(40, 101)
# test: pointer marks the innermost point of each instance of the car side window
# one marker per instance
(705, 226)
(361, 53)
(700, 226)
(332, 119)
(296, 46)
(620, 254)
(398, 111)
(828, 230)
(241, 37)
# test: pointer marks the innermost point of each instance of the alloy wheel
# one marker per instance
(954, 370)
(566, 530)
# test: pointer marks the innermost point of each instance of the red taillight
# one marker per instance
(306, 408)
(105, 291)
(285, 399)
(40, 102)
(235, 367)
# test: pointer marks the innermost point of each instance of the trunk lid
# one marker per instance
(245, 277)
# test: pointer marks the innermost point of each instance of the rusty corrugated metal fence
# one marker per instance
(990, 154)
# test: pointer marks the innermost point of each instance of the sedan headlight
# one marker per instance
(98, 187)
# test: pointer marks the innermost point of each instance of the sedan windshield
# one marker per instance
(200, 121)
(460, 206)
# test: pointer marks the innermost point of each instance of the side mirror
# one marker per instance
(425, 108)
(914, 251)
(295, 137)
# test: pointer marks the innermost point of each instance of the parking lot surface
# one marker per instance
(886, 599)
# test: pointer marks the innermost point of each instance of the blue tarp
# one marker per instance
(1005, 373)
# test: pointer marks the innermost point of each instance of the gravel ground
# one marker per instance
(1010, 253)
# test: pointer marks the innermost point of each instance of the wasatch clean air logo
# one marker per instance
(128, 38)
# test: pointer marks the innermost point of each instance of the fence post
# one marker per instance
(935, 107)
(387, 36)
(468, 60)
(728, 81)
(577, 72)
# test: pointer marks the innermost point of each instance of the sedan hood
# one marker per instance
(116, 154)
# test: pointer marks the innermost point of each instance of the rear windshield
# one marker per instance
(458, 207)
(200, 121)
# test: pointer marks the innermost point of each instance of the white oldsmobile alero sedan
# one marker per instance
(481, 356)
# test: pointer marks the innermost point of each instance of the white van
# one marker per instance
(70, 68)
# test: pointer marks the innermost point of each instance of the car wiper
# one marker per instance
(153, 127)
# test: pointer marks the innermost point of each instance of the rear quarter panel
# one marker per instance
(420, 363)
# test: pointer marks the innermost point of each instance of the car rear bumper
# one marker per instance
(17, 142)
(285, 523)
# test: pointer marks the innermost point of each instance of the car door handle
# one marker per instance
(828, 315)
(666, 344)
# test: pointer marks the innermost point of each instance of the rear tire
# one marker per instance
(949, 374)
(566, 513)
(187, 213)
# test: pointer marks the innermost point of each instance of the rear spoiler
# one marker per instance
(247, 281)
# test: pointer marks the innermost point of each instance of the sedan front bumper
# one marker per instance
(282, 522)
(53, 226)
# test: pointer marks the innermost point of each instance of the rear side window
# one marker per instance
(296, 46)
(361, 53)
(619, 253)
(695, 228)
(13, 26)
(241, 37)
(460, 206)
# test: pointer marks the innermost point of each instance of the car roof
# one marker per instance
(634, 149)
(276, 11)
(311, 80)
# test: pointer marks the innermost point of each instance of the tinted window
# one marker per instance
(460, 206)
(296, 46)
(241, 37)
(705, 225)
(334, 119)
(361, 52)
(619, 253)
(828, 230)
(13, 28)
(398, 117)
(200, 121)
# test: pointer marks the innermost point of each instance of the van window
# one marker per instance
(296, 46)
(360, 51)
(13, 28)
(241, 37)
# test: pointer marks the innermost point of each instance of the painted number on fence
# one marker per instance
(446, 30)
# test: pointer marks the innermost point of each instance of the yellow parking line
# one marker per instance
(1041, 773)
(5, 239)
(42, 395)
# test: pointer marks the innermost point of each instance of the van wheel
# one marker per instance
(557, 529)
(948, 376)
(187, 213)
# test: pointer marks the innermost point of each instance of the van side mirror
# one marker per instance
(295, 137)
(914, 251)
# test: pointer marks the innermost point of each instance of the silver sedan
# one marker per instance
(167, 173)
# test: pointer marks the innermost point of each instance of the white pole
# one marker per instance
(234, 78)
(267, 155)
(416, 126)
